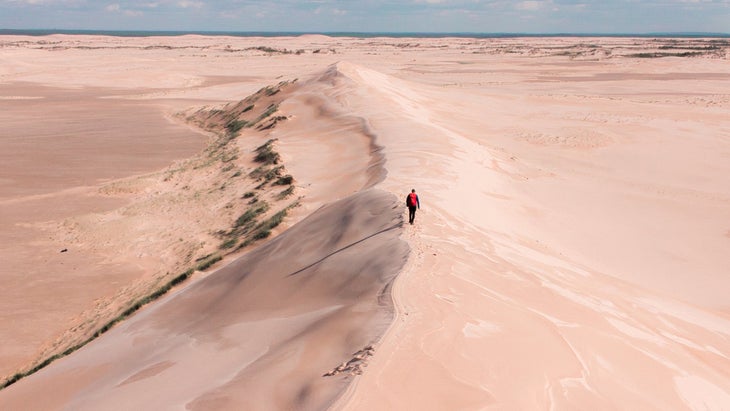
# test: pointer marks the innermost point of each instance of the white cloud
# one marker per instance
(42, 2)
(29, 1)
(324, 10)
(116, 8)
(189, 4)
(532, 5)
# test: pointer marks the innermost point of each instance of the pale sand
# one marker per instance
(572, 249)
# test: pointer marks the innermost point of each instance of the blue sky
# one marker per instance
(487, 16)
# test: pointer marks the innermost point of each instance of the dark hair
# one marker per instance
(413, 190)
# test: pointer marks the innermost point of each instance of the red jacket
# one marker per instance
(412, 200)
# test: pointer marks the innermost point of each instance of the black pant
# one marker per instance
(411, 214)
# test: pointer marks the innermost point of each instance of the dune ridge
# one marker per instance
(341, 263)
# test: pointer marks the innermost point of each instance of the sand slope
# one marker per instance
(252, 335)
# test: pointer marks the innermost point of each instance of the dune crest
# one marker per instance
(333, 287)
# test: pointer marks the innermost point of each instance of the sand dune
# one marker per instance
(258, 334)
(571, 251)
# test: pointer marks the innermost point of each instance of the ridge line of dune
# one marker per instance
(374, 172)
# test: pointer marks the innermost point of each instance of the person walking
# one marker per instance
(412, 203)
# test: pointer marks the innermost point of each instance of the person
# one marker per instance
(412, 202)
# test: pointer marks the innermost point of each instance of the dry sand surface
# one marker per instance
(572, 251)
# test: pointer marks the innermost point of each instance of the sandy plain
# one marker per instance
(572, 250)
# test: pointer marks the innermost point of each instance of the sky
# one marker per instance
(463, 16)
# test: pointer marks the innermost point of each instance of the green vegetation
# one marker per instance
(230, 243)
(263, 230)
(284, 181)
(228, 156)
(286, 193)
(677, 47)
(261, 234)
(273, 121)
(271, 109)
(274, 220)
(246, 225)
(251, 214)
(265, 173)
(235, 126)
(126, 313)
(266, 154)
(659, 55)
(273, 173)
(271, 50)
(206, 263)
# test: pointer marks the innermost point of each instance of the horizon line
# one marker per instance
(274, 33)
